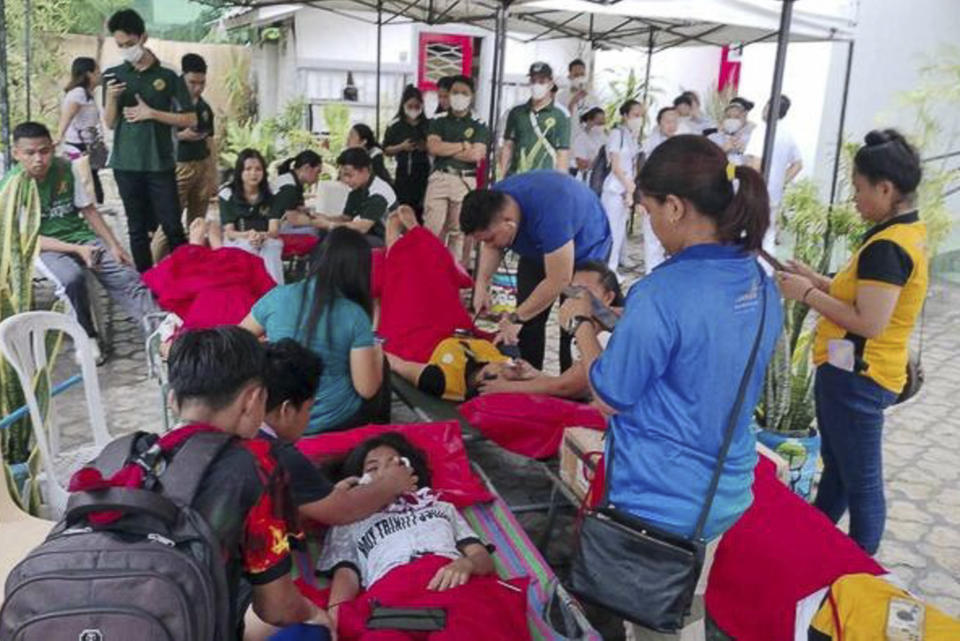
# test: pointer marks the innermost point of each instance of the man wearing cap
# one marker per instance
(537, 133)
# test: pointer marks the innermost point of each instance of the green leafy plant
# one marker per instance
(631, 87)
(276, 138)
(715, 102)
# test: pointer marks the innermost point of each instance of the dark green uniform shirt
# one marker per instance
(147, 145)
(450, 128)
(528, 151)
(287, 195)
(62, 197)
(244, 216)
(371, 203)
(411, 165)
(190, 150)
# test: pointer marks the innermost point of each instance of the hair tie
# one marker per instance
(731, 171)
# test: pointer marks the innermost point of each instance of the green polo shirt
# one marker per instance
(244, 216)
(147, 145)
(287, 195)
(528, 152)
(191, 150)
(62, 197)
(371, 202)
(451, 128)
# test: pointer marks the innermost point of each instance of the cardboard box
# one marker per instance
(579, 453)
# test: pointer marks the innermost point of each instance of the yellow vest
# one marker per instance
(884, 358)
(451, 355)
(862, 603)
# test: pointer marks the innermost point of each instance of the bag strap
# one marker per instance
(122, 499)
(735, 412)
(541, 136)
(189, 464)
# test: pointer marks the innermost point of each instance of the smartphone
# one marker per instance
(773, 262)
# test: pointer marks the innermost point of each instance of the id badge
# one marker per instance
(841, 354)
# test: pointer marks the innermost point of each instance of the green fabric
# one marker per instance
(287, 197)
(450, 128)
(236, 211)
(402, 130)
(59, 216)
(555, 126)
(369, 204)
(190, 150)
(148, 145)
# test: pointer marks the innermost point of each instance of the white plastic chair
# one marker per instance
(19, 531)
(23, 344)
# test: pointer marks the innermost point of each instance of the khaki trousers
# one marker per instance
(193, 189)
(441, 208)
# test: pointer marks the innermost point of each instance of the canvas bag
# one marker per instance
(128, 562)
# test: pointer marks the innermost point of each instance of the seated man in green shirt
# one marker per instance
(369, 200)
(74, 239)
(537, 133)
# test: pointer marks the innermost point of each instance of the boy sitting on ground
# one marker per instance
(216, 379)
(74, 239)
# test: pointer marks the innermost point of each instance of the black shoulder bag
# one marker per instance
(635, 570)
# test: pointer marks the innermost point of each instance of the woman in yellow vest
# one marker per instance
(867, 311)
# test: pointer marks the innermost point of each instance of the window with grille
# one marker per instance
(443, 55)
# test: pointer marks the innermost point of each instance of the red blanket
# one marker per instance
(209, 287)
(780, 551)
(529, 424)
(420, 302)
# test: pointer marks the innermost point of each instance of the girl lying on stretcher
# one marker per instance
(420, 553)
(431, 339)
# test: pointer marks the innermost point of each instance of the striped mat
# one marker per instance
(516, 556)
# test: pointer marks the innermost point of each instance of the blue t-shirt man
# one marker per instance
(556, 209)
(342, 327)
(672, 370)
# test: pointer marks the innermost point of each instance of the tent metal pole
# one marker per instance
(783, 39)
(379, 55)
(500, 42)
(646, 76)
(4, 92)
(27, 57)
(838, 151)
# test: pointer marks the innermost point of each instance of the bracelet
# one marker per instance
(803, 299)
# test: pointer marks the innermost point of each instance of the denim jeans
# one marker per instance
(850, 416)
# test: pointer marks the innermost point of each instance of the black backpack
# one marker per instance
(156, 574)
(599, 170)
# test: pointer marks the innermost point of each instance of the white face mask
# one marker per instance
(731, 125)
(578, 83)
(459, 102)
(413, 114)
(132, 54)
(635, 124)
(539, 90)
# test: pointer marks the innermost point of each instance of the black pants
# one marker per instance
(533, 336)
(150, 199)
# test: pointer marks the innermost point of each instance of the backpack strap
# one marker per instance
(189, 464)
(119, 451)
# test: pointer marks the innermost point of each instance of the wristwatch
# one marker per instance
(514, 318)
(577, 322)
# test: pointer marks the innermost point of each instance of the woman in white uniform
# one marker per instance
(618, 188)
(588, 138)
(667, 124)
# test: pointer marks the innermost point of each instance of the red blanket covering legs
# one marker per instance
(485, 609)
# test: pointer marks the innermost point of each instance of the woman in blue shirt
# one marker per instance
(330, 312)
(671, 371)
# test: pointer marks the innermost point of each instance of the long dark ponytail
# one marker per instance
(340, 266)
(695, 169)
(305, 157)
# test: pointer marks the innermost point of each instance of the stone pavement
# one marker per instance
(922, 447)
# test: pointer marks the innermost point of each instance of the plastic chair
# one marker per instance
(23, 344)
(19, 531)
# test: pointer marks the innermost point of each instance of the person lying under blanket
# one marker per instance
(431, 340)
(418, 552)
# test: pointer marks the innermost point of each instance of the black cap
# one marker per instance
(741, 102)
(540, 69)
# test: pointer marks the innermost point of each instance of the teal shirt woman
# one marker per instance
(330, 313)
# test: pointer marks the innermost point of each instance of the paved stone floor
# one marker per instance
(922, 447)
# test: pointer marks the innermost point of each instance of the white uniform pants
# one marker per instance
(617, 213)
(653, 252)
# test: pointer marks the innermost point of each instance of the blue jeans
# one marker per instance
(850, 416)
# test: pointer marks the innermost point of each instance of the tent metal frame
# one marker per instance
(495, 15)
